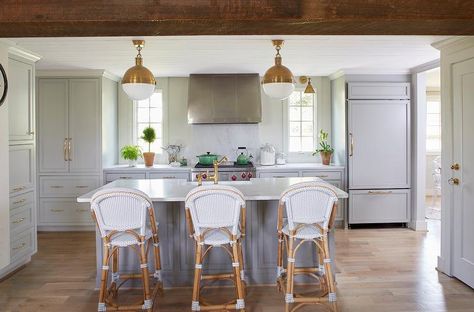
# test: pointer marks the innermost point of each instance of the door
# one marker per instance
(20, 100)
(53, 125)
(379, 144)
(84, 121)
(463, 154)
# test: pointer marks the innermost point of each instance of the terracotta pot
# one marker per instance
(326, 158)
(149, 158)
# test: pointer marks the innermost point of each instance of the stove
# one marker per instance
(228, 171)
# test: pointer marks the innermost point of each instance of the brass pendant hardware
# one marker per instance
(309, 88)
(453, 181)
(455, 166)
(278, 73)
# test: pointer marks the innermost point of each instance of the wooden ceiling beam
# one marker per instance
(60, 18)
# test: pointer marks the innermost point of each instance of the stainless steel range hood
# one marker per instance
(224, 98)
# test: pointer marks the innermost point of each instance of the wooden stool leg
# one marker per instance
(115, 273)
(236, 264)
(147, 303)
(197, 276)
(157, 258)
(280, 256)
(242, 267)
(290, 273)
(104, 278)
(329, 275)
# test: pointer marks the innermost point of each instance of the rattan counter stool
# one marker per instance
(125, 219)
(216, 218)
(310, 212)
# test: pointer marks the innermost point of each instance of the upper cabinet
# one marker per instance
(20, 99)
(69, 125)
(378, 91)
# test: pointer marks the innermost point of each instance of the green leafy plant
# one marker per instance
(149, 136)
(323, 143)
(131, 152)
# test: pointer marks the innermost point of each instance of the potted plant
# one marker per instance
(149, 136)
(131, 153)
(326, 150)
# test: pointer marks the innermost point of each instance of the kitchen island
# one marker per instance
(177, 249)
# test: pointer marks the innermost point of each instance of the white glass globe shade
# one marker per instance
(138, 91)
(278, 90)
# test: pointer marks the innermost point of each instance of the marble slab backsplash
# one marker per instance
(221, 140)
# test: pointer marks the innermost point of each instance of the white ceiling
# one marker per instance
(180, 56)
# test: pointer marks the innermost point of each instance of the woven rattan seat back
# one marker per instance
(121, 209)
(215, 206)
(308, 203)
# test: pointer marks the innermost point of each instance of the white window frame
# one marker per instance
(432, 96)
(300, 156)
(135, 135)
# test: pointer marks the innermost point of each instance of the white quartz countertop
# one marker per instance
(299, 166)
(121, 168)
(173, 190)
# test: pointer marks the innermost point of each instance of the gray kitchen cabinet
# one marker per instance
(73, 110)
(378, 90)
(379, 206)
(278, 174)
(169, 175)
(21, 108)
(22, 168)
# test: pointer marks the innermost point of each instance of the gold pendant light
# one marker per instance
(309, 88)
(278, 81)
(138, 81)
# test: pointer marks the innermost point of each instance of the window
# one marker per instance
(301, 122)
(149, 113)
(433, 124)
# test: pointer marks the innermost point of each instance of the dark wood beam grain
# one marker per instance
(46, 18)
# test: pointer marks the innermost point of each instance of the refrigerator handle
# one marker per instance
(352, 144)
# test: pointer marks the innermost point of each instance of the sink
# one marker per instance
(222, 183)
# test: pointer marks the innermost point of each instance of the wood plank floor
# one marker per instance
(378, 270)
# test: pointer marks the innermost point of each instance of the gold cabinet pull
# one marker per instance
(56, 186)
(379, 192)
(69, 149)
(352, 144)
(18, 221)
(65, 149)
(57, 210)
(454, 181)
(322, 176)
(30, 132)
(170, 177)
(19, 201)
(19, 247)
(455, 166)
(125, 177)
(82, 210)
(82, 186)
(20, 188)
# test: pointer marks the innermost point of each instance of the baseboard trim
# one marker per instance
(419, 226)
(72, 228)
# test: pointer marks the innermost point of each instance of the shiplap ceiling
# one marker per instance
(181, 56)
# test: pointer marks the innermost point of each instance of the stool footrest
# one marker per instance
(217, 276)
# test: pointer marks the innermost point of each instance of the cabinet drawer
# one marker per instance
(22, 174)
(169, 175)
(21, 200)
(325, 175)
(109, 177)
(67, 186)
(64, 211)
(379, 206)
(22, 218)
(22, 244)
(277, 174)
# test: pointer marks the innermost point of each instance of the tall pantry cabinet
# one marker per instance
(22, 168)
(77, 131)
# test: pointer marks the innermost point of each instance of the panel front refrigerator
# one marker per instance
(379, 161)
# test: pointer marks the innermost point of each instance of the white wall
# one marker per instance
(220, 139)
(338, 98)
(4, 176)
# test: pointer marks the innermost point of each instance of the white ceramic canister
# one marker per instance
(267, 155)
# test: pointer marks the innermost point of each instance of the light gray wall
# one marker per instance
(221, 139)
(109, 122)
(4, 176)
(338, 98)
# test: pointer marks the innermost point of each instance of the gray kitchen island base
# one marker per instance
(177, 248)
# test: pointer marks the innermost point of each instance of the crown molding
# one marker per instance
(336, 75)
(24, 53)
(77, 73)
(426, 66)
(446, 42)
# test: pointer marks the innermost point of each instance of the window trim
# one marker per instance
(163, 125)
(299, 156)
(433, 96)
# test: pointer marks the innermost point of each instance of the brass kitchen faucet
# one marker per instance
(215, 175)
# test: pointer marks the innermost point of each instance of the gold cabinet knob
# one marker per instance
(455, 166)
(453, 181)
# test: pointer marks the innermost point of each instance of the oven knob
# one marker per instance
(249, 175)
(234, 178)
(204, 176)
(244, 175)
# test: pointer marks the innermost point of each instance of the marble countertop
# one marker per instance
(173, 190)
(162, 167)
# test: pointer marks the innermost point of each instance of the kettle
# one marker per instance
(243, 157)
